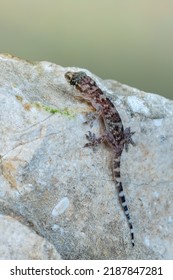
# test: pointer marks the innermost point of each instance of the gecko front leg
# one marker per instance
(90, 118)
(128, 138)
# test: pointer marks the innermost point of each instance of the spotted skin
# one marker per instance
(115, 135)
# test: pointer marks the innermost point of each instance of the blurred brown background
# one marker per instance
(129, 41)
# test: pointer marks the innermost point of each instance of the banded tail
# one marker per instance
(116, 171)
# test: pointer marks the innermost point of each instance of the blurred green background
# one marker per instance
(129, 41)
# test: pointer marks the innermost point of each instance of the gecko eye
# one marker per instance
(74, 78)
(69, 76)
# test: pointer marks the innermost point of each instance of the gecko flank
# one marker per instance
(115, 135)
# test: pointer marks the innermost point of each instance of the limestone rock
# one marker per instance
(18, 242)
(64, 192)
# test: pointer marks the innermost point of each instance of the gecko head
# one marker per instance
(74, 78)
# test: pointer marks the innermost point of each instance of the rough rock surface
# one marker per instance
(64, 192)
(19, 242)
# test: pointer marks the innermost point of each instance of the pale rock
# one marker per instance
(19, 242)
(65, 192)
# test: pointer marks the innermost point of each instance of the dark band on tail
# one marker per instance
(116, 171)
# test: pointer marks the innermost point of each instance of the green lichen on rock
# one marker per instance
(52, 110)
(62, 111)
(20, 98)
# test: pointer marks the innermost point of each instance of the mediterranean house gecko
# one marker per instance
(115, 135)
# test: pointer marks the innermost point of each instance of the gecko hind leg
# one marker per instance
(93, 141)
(128, 138)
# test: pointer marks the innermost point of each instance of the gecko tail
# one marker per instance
(126, 210)
(116, 171)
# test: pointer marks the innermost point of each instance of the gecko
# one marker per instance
(114, 135)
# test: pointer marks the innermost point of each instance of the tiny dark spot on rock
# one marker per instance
(162, 138)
